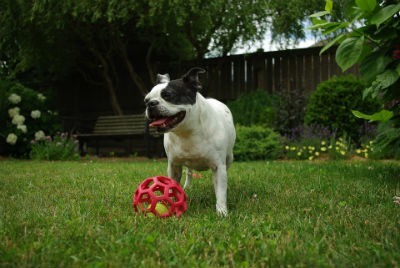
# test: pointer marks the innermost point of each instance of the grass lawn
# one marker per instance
(309, 214)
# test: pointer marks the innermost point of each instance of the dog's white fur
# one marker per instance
(203, 140)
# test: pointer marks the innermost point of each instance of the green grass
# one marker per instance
(320, 214)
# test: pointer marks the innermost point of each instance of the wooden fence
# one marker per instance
(299, 70)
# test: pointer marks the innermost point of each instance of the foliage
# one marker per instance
(256, 143)
(387, 142)
(331, 104)
(215, 25)
(24, 116)
(108, 41)
(59, 147)
(280, 111)
(287, 18)
(290, 111)
(282, 214)
(372, 41)
(255, 108)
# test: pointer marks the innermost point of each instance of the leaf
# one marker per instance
(381, 83)
(387, 78)
(338, 39)
(381, 116)
(366, 5)
(349, 52)
(319, 14)
(398, 69)
(384, 14)
(329, 5)
(326, 26)
(333, 27)
(317, 24)
(372, 65)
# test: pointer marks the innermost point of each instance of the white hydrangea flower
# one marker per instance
(13, 112)
(39, 135)
(14, 98)
(35, 114)
(23, 128)
(12, 139)
(18, 120)
(41, 97)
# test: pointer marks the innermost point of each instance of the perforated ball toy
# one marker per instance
(161, 196)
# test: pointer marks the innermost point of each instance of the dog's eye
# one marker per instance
(167, 95)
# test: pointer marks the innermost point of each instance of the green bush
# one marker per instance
(256, 143)
(59, 147)
(255, 108)
(25, 116)
(331, 104)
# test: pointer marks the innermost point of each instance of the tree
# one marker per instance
(371, 39)
(206, 25)
(50, 40)
(288, 18)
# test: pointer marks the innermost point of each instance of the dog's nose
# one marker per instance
(152, 103)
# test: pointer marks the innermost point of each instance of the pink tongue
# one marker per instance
(158, 122)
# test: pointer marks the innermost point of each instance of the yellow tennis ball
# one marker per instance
(160, 208)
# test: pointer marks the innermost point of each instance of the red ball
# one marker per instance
(162, 190)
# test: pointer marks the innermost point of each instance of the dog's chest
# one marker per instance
(192, 152)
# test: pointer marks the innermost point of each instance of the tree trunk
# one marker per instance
(149, 66)
(109, 83)
(131, 70)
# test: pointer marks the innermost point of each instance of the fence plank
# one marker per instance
(268, 74)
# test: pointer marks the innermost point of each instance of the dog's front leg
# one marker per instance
(174, 171)
(220, 187)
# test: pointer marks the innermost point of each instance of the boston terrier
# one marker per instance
(198, 132)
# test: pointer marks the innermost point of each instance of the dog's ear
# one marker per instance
(192, 77)
(162, 78)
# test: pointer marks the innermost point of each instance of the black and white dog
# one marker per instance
(199, 132)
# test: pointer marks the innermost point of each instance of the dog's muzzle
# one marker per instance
(166, 123)
(158, 119)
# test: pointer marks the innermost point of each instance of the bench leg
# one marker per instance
(97, 147)
(81, 147)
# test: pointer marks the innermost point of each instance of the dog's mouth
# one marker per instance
(164, 124)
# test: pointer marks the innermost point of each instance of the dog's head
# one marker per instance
(168, 103)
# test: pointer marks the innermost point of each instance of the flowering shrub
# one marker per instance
(60, 147)
(365, 150)
(24, 116)
(310, 142)
(331, 149)
(306, 150)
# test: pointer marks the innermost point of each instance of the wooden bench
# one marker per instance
(118, 127)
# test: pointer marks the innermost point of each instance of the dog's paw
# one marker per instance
(222, 211)
(396, 200)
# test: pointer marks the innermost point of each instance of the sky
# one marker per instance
(266, 45)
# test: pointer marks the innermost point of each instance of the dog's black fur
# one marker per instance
(183, 90)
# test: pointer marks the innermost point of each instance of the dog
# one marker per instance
(199, 132)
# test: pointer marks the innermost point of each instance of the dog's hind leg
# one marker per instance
(229, 160)
(188, 181)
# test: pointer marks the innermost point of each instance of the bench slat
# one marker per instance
(120, 125)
